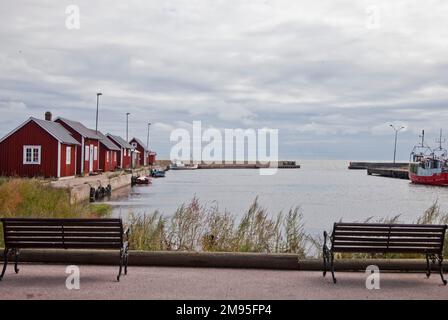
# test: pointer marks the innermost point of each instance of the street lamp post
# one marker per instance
(396, 137)
(147, 140)
(97, 104)
(127, 127)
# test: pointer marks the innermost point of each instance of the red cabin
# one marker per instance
(38, 148)
(89, 146)
(140, 147)
(124, 155)
(152, 157)
(108, 154)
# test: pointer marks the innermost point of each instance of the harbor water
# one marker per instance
(326, 192)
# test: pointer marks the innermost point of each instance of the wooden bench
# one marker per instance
(386, 238)
(25, 233)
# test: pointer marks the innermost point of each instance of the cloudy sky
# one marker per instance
(330, 75)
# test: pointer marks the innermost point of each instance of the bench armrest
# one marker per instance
(326, 239)
(126, 232)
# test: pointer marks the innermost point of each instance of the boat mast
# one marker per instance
(440, 141)
(423, 138)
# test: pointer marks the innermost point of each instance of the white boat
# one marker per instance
(179, 165)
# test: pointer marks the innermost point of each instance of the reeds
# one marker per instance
(33, 198)
(195, 227)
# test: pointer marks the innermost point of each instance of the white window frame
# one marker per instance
(107, 156)
(95, 153)
(115, 156)
(68, 155)
(87, 153)
(33, 150)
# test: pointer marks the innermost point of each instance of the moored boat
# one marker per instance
(141, 180)
(157, 173)
(429, 166)
(179, 165)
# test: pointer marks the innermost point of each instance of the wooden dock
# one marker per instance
(397, 173)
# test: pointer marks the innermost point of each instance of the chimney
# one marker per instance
(48, 116)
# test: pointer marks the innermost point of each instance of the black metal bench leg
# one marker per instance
(121, 264)
(325, 255)
(16, 260)
(126, 258)
(5, 262)
(440, 258)
(325, 264)
(428, 267)
(332, 267)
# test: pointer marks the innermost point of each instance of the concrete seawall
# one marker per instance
(365, 165)
(81, 192)
(79, 187)
(216, 260)
(397, 173)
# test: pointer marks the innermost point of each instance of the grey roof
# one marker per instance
(119, 140)
(81, 129)
(109, 144)
(56, 130)
(140, 143)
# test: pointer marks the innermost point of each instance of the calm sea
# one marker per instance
(326, 191)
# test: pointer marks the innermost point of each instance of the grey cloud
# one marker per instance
(311, 69)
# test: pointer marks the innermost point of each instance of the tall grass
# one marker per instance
(34, 198)
(195, 227)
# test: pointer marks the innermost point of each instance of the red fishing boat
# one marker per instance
(429, 166)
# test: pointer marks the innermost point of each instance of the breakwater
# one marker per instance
(365, 165)
(279, 165)
(398, 170)
(398, 173)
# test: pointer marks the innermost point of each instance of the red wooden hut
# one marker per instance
(124, 155)
(141, 147)
(151, 157)
(108, 153)
(88, 150)
(38, 148)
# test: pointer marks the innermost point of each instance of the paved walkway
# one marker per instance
(98, 282)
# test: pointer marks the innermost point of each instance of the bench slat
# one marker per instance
(385, 225)
(390, 250)
(386, 245)
(70, 229)
(66, 234)
(58, 223)
(385, 230)
(62, 239)
(382, 234)
(391, 240)
(59, 245)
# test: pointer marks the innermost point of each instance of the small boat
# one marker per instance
(157, 173)
(179, 165)
(141, 180)
(429, 166)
